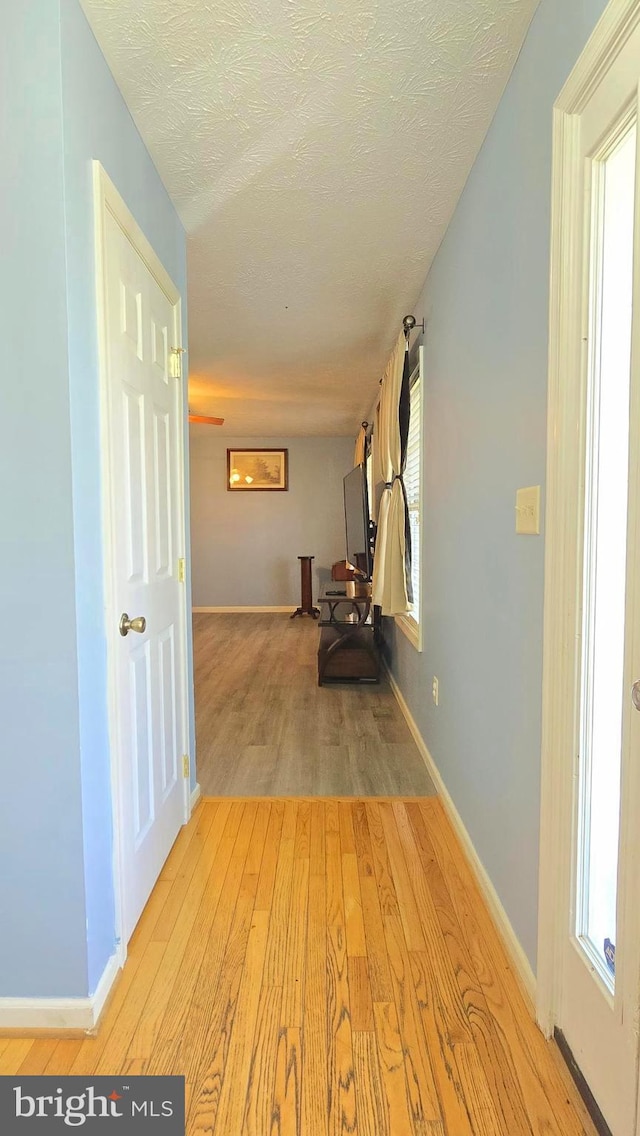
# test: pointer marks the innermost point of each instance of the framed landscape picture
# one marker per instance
(257, 470)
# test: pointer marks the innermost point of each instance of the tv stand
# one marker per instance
(349, 647)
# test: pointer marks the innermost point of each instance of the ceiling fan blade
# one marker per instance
(207, 419)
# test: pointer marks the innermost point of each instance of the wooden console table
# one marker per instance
(348, 650)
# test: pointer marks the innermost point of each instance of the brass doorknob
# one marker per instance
(126, 625)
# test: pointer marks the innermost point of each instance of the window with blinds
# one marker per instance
(410, 622)
(413, 486)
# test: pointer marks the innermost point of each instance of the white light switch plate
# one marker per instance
(528, 511)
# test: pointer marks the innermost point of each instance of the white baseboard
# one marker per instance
(77, 1014)
(240, 610)
(512, 945)
(196, 793)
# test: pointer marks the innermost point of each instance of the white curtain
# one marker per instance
(361, 447)
(389, 566)
(377, 477)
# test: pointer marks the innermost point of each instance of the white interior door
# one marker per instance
(599, 1001)
(143, 407)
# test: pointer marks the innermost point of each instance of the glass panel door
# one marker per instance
(597, 1006)
(605, 551)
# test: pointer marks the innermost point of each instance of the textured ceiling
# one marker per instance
(315, 153)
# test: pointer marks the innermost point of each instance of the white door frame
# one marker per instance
(108, 200)
(565, 486)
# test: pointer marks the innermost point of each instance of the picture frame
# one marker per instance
(257, 471)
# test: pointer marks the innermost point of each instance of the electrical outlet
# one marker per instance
(435, 691)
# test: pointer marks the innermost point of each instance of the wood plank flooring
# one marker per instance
(265, 728)
(324, 967)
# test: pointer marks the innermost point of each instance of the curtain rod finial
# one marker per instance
(409, 323)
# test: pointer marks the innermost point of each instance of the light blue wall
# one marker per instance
(246, 545)
(486, 306)
(98, 125)
(42, 911)
(60, 109)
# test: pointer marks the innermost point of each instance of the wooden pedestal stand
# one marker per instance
(306, 604)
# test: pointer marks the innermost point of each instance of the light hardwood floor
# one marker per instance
(264, 727)
(324, 967)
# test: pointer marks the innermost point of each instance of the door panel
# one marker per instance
(133, 489)
(163, 493)
(131, 317)
(144, 422)
(168, 740)
(142, 750)
(598, 1009)
(160, 349)
(604, 591)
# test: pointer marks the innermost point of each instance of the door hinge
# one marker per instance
(182, 570)
(186, 765)
(176, 362)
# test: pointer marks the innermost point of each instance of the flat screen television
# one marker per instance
(358, 528)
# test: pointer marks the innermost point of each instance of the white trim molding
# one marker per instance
(196, 794)
(520, 962)
(60, 1014)
(616, 25)
(565, 462)
(240, 610)
(409, 627)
